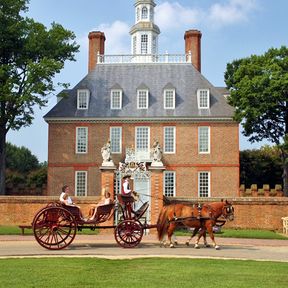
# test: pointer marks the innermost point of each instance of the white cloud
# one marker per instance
(173, 15)
(117, 37)
(233, 12)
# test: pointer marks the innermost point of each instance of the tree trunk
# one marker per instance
(2, 159)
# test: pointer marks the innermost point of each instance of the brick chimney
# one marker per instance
(96, 45)
(193, 44)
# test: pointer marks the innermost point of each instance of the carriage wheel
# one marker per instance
(128, 233)
(54, 228)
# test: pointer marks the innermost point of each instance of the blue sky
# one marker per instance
(231, 29)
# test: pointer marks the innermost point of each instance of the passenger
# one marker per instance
(104, 201)
(67, 200)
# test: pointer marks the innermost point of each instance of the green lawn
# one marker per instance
(145, 272)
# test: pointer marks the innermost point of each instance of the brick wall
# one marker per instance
(222, 162)
(252, 213)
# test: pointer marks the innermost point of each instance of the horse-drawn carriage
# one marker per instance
(55, 226)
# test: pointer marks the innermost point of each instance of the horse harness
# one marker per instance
(199, 206)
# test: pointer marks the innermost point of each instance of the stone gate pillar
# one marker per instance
(156, 193)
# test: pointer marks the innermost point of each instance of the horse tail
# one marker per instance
(162, 223)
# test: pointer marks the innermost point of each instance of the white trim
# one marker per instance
(174, 140)
(87, 94)
(120, 99)
(77, 140)
(86, 180)
(209, 183)
(165, 98)
(207, 91)
(120, 140)
(199, 134)
(146, 100)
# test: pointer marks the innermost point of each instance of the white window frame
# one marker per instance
(77, 175)
(139, 100)
(165, 140)
(205, 98)
(166, 91)
(200, 140)
(112, 137)
(144, 43)
(83, 100)
(201, 187)
(116, 93)
(144, 13)
(165, 186)
(142, 151)
(81, 142)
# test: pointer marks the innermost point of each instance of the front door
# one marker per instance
(142, 187)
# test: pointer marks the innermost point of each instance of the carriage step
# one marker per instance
(23, 227)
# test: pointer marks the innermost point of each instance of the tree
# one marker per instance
(259, 93)
(30, 56)
(261, 166)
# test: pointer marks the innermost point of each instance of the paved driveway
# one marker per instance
(105, 246)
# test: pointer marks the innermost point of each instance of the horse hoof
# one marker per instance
(217, 247)
(207, 246)
(187, 243)
(175, 243)
(196, 247)
(172, 246)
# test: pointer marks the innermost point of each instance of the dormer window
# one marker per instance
(203, 98)
(142, 99)
(83, 99)
(116, 99)
(169, 99)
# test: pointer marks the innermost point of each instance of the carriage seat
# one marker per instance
(103, 213)
(74, 210)
(123, 199)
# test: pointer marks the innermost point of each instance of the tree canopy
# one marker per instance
(259, 93)
(30, 56)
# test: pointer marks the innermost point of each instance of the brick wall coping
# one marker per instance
(92, 199)
(241, 200)
(45, 199)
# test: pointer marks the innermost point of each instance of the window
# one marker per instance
(138, 14)
(116, 99)
(82, 99)
(154, 45)
(203, 98)
(204, 139)
(81, 140)
(169, 139)
(169, 99)
(142, 99)
(142, 141)
(144, 13)
(81, 183)
(144, 44)
(169, 184)
(204, 184)
(116, 139)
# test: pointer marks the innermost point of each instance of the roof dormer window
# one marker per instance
(169, 99)
(116, 99)
(142, 99)
(203, 98)
(83, 99)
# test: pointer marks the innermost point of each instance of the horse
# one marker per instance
(201, 218)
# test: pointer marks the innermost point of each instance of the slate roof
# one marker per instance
(129, 77)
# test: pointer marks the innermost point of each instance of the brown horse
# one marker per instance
(201, 218)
